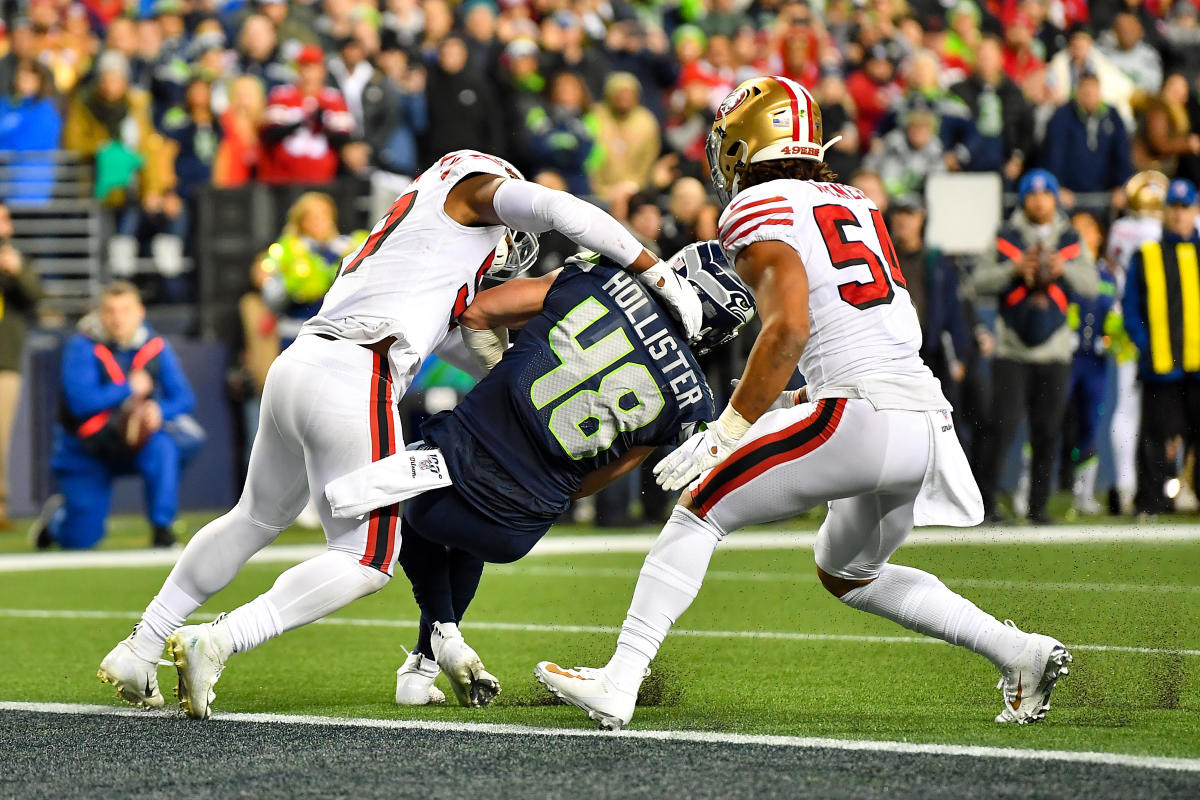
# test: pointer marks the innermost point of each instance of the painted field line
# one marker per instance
(612, 630)
(640, 543)
(701, 737)
(534, 570)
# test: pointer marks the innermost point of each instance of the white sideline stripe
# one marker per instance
(803, 574)
(640, 543)
(534, 627)
(702, 737)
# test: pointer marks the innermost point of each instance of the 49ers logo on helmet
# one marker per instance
(732, 101)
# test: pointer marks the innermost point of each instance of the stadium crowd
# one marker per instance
(613, 100)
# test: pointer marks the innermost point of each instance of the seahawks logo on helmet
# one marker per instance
(728, 302)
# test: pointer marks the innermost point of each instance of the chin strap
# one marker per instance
(829, 144)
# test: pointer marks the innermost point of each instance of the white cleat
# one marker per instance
(414, 682)
(591, 690)
(199, 653)
(134, 678)
(472, 684)
(1028, 679)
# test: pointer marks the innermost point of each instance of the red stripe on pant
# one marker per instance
(382, 522)
(748, 462)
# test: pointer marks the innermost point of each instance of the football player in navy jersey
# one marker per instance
(599, 376)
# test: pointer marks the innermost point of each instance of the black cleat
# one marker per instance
(39, 532)
(162, 537)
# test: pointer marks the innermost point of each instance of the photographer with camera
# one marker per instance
(1037, 264)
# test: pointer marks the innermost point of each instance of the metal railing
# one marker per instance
(57, 223)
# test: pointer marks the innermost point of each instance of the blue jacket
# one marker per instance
(1133, 306)
(1087, 154)
(93, 381)
(30, 125)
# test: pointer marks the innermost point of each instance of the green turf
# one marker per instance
(1111, 701)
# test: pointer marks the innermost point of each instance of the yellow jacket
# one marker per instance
(84, 133)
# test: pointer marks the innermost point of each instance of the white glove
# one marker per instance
(486, 346)
(702, 451)
(679, 296)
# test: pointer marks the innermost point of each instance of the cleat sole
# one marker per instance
(132, 698)
(176, 650)
(605, 721)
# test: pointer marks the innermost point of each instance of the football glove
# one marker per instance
(702, 451)
(681, 299)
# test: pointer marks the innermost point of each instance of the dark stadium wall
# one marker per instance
(210, 482)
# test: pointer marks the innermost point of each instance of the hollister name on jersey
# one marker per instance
(652, 329)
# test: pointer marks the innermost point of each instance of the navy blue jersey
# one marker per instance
(600, 370)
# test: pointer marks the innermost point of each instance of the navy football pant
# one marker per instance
(443, 547)
(86, 484)
(1089, 379)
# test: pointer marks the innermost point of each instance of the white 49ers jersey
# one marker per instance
(1125, 238)
(419, 269)
(863, 329)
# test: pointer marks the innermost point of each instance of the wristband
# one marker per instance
(732, 424)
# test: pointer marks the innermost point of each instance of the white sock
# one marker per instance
(922, 603)
(167, 611)
(669, 581)
(250, 625)
(305, 593)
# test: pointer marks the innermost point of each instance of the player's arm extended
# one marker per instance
(491, 200)
(484, 325)
(776, 274)
(607, 474)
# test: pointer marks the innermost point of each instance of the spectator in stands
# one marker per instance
(30, 123)
(123, 411)
(110, 121)
(1038, 261)
(20, 291)
(1160, 284)
(292, 30)
(393, 138)
(522, 89)
(305, 127)
(1125, 46)
(1095, 321)
(1086, 146)
(558, 135)
(260, 347)
(908, 155)
(240, 147)
(837, 119)
(954, 125)
(479, 29)
(1021, 49)
(1166, 132)
(1003, 121)
(156, 69)
(464, 112)
(351, 72)
(1080, 58)
(302, 264)
(872, 186)
(193, 135)
(627, 136)
(690, 217)
(690, 120)
(439, 25)
(565, 44)
(874, 89)
(258, 53)
(22, 46)
(1182, 36)
(644, 53)
(645, 220)
(932, 281)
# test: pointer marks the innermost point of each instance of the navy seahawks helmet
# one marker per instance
(727, 300)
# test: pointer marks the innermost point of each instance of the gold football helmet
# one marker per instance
(763, 119)
(1146, 193)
